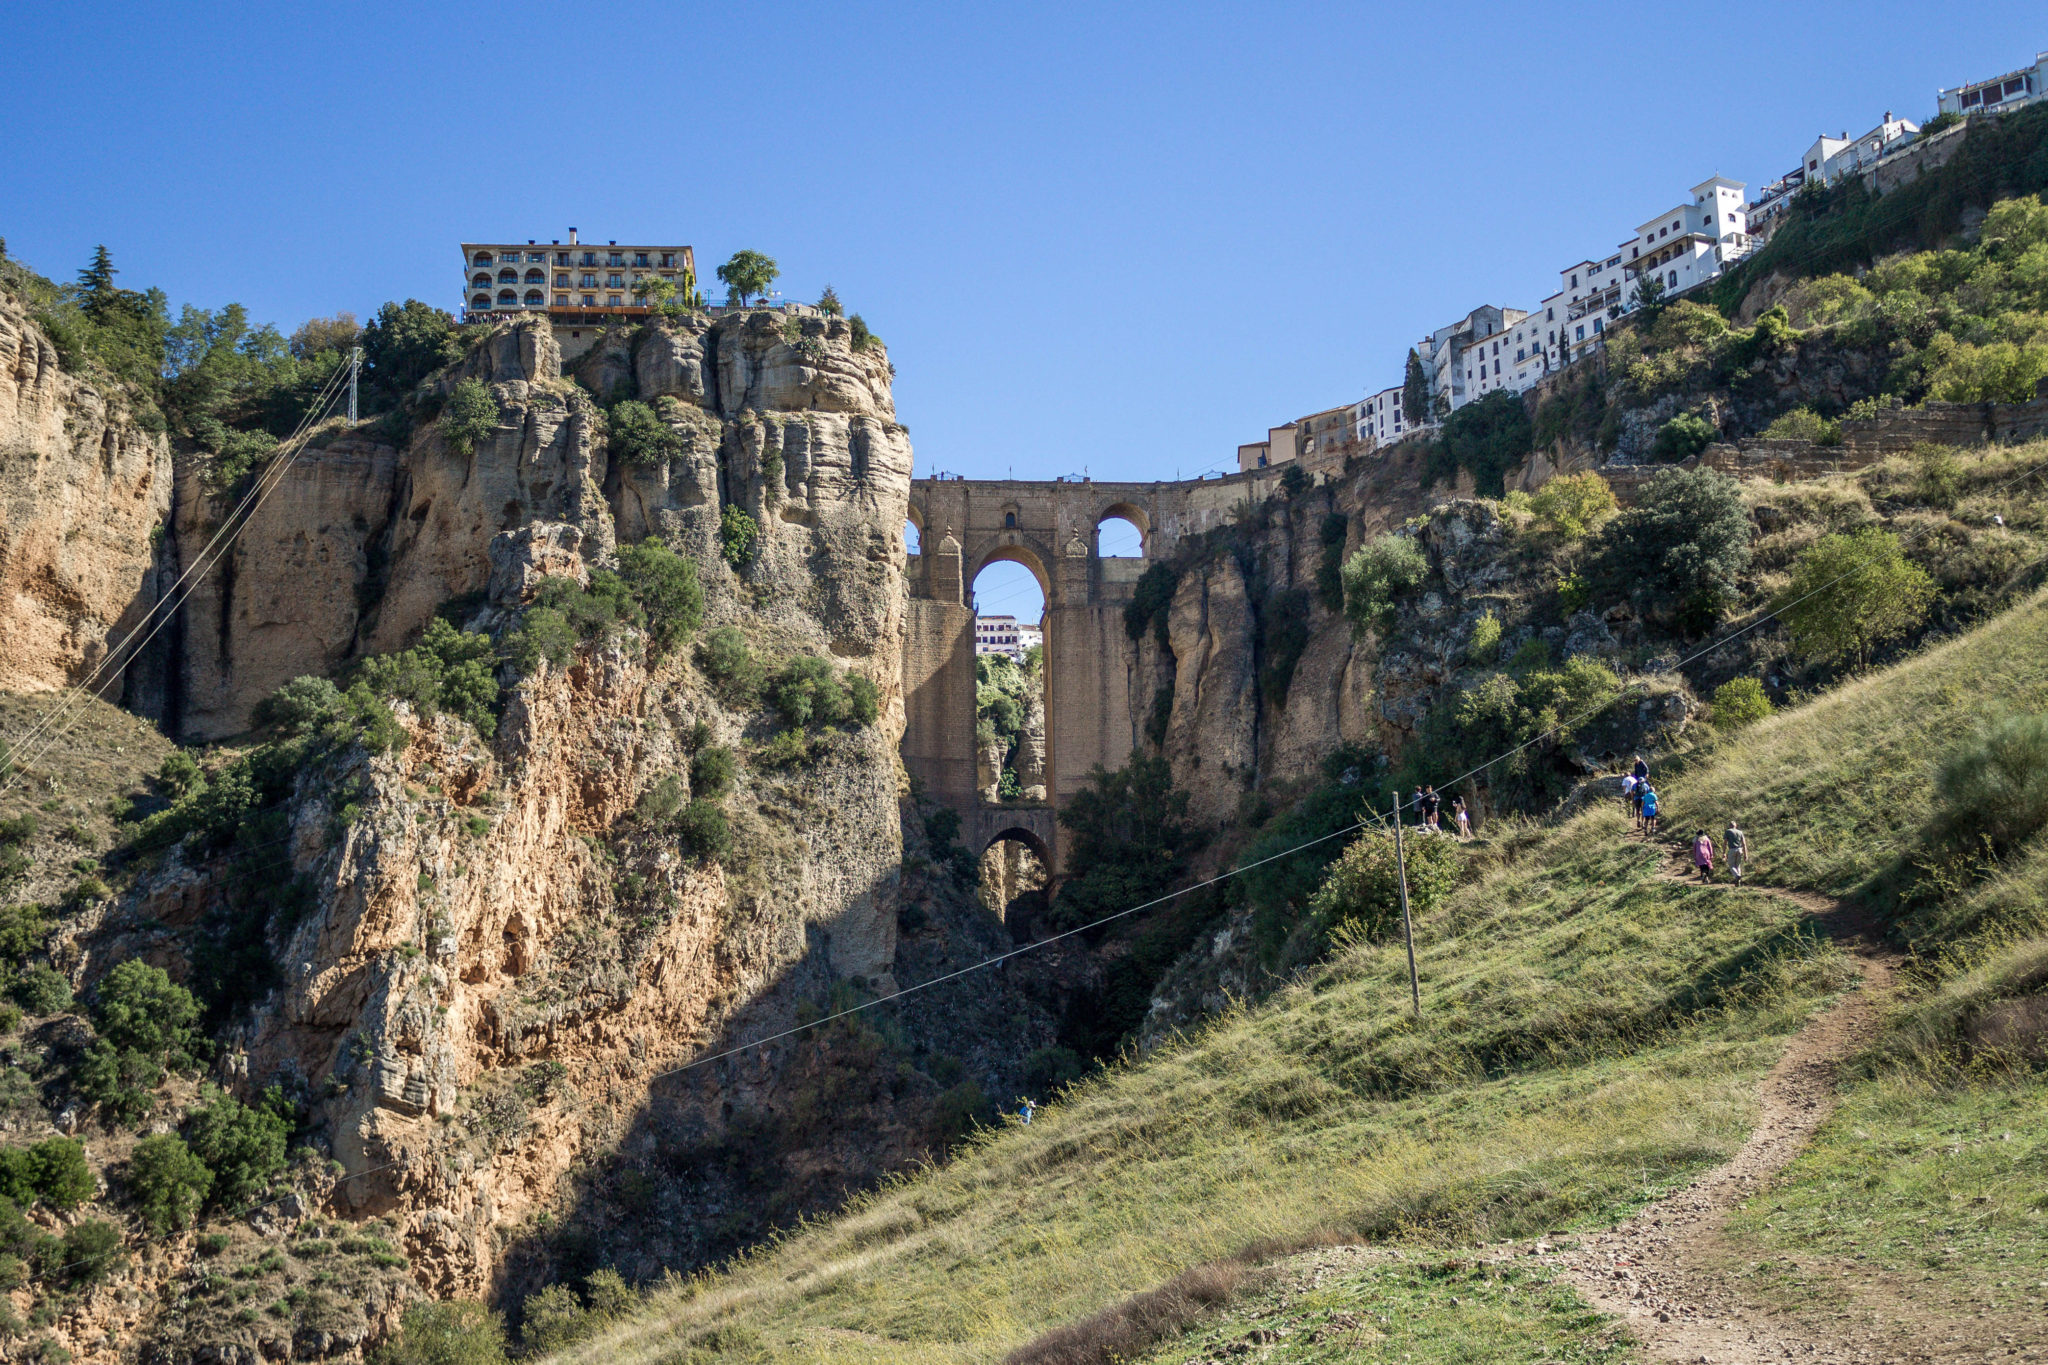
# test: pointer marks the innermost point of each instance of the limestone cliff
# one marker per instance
(84, 490)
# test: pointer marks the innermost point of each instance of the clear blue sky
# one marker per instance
(1120, 238)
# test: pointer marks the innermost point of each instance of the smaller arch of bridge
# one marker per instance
(1036, 827)
(1015, 547)
(1026, 836)
(1135, 515)
(914, 517)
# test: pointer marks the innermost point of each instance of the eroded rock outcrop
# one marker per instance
(85, 488)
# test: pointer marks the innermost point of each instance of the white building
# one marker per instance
(1379, 417)
(1688, 245)
(2000, 93)
(1831, 159)
(1004, 635)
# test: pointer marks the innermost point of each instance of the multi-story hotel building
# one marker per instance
(571, 281)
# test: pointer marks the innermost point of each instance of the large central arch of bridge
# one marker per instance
(1091, 716)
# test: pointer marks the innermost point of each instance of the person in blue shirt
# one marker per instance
(1025, 1109)
(1649, 809)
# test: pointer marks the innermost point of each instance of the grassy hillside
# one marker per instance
(1590, 1034)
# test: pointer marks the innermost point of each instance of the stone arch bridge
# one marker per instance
(1091, 717)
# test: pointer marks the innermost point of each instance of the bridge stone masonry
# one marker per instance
(1051, 528)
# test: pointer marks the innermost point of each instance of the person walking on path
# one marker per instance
(1464, 819)
(1628, 792)
(1432, 808)
(1703, 856)
(1025, 1109)
(1649, 808)
(1641, 771)
(1737, 844)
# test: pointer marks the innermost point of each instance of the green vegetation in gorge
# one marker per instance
(1003, 693)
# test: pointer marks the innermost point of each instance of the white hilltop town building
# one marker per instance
(1999, 94)
(1006, 635)
(578, 285)
(1495, 349)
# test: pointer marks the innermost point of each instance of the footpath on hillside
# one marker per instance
(1672, 1275)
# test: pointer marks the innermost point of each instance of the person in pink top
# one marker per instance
(1703, 855)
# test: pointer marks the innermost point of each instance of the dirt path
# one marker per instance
(1666, 1271)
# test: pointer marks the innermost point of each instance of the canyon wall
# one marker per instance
(84, 491)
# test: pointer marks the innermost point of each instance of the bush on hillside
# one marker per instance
(1739, 702)
(1683, 437)
(635, 434)
(1484, 645)
(168, 1181)
(449, 1332)
(736, 535)
(1804, 424)
(1851, 593)
(1486, 438)
(863, 699)
(705, 831)
(448, 670)
(469, 416)
(1129, 840)
(1385, 569)
(242, 1145)
(1361, 897)
(89, 1252)
(809, 691)
(147, 1023)
(299, 707)
(1681, 548)
(1573, 506)
(727, 659)
(41, 990)
(555, 1318)
(711, 771)
(23, 930)
(665, 585)
(1151, 599)
(1992, 789)
(52, 1171)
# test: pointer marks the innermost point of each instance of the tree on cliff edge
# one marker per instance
(746, 274)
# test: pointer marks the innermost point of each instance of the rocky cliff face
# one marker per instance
(86, 490)
(501, 975)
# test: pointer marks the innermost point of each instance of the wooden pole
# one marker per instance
(1407, 926)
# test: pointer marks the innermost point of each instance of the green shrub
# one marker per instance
(169, 1182)
(809, 691)
(53, 1171)
(705, 833)
(1489, 437)
(1681, 438)
(123, 1081)
(1361, 896)
(42, 990)
(10, 1019)
(1804, 424)
(1151, 599)
(1682, 547)
(243, 1145)
(299, 707)
(179, 773)
(1384, 569)
(1573, 506)
(89, 1252)
(727, 659)
(1739, 702)
(139, 1006)
(864, 699)
(635, 434)
(451, 1332)
(449, 670)
(1851, 593)
(470, 415)
(784, 749)
(1993, 786)
(659, 803)
(665, 585)
(862, 337)
(23, 930)
(543, 633)
(1532, 653)
(736, 535)
(19, 829)
(711, 771)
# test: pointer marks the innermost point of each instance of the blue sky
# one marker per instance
(1118, 239)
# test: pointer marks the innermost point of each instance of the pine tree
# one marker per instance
(97, 291)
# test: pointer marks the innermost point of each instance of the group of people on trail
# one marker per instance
(1429, 810)
(1640, 797)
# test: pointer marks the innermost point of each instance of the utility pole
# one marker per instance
(355, 369)
(1407, 926)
